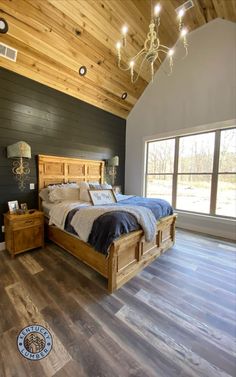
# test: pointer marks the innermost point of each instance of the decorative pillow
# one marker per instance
(44, 194)
(52, 186)
(60, 194)
(71, 184)
(84, 185)
(84, 195)
(97, 186)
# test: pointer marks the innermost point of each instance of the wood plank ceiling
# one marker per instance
(55, 37)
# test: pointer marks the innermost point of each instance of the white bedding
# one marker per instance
(83, 219)
(47, 206)
(59, 212)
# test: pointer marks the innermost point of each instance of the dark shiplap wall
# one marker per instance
(51, 123)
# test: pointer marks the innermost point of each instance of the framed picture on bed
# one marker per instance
(100, 197)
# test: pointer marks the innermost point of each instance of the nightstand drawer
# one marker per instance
(21, 224)
(28, 238)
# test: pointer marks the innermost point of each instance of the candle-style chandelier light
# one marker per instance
(152, 49)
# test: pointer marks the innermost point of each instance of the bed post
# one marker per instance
(112, 269)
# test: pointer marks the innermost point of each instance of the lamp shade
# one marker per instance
(20, 149)
(114, 161)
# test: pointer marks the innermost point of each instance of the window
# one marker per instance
(226, 193)
(195, 173)
(160, 169)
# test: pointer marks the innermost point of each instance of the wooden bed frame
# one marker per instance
(129, 253)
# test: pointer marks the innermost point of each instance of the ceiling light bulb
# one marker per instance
(82, 70)
(118, 45)
(3, 26)
(183, 32)
(171, 52)
(181, 13)
(157, 9)
(124, 30)
(131, 64)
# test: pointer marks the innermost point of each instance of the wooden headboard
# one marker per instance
(54, 169)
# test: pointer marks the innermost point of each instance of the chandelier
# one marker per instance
(152, 50)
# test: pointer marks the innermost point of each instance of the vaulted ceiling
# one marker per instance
(55, 37)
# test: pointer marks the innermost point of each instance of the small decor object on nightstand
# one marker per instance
(24, 207)
(100, 197)
(13, 206)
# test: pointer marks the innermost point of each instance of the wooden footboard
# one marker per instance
(131, 253)
(128, 254)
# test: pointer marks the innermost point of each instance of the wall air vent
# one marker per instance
(186, 6)
(8, 52)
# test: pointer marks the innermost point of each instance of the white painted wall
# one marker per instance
(200, 93)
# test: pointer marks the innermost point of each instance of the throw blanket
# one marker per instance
(159, 207)
(109, 227)
(83, 219)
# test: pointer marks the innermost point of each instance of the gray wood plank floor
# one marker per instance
(175, 318)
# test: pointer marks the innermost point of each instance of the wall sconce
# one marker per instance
(20, 168)
(112, 164)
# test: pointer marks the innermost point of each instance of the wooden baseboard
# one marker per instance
(2, 246)
(210, 225)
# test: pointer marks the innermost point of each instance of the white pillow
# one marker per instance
(106, 186)
(84, 185)
(69, 184)
(84, 195)
(60, 194)
(98, 186)
(44, 194)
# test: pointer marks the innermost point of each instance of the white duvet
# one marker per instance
(83, 219)
(59, 212)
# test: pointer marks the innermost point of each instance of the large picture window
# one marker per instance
(195, 173)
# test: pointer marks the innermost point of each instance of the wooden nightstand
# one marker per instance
(23, 232)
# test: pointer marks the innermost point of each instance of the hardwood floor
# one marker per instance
(175, 318)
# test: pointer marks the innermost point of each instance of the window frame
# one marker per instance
(214, 174)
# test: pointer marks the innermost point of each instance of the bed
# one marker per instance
(128, 254)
